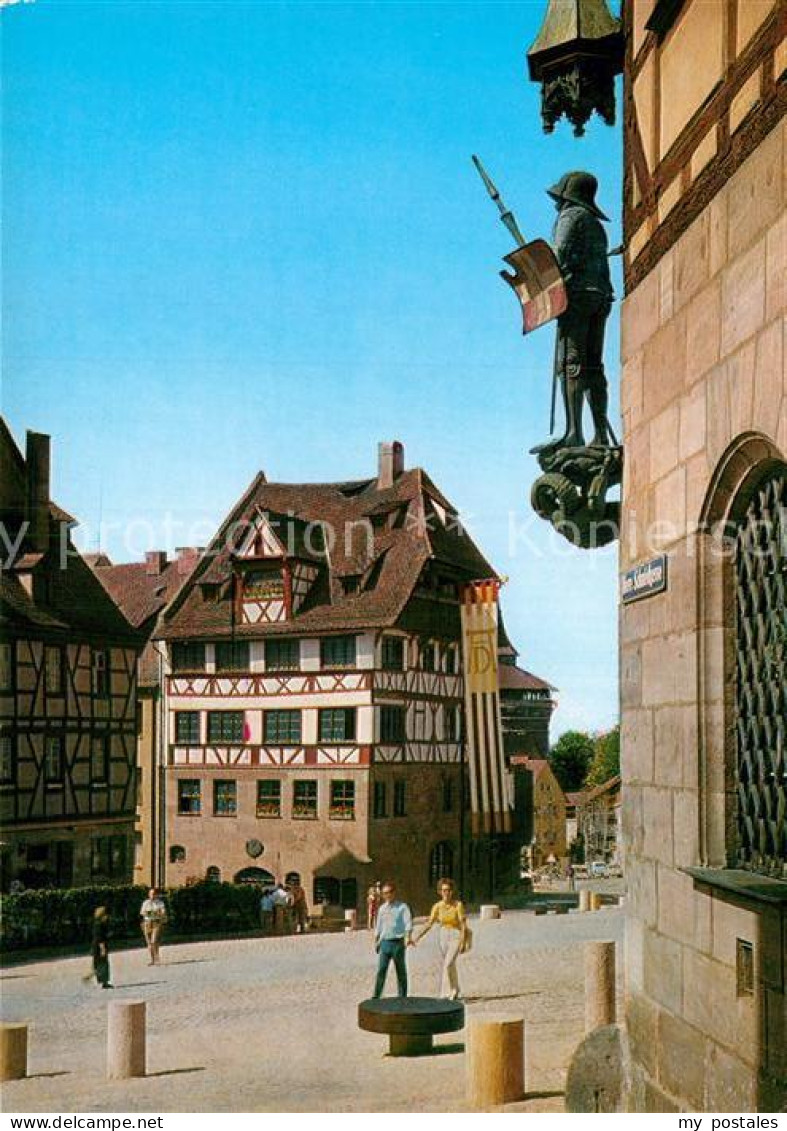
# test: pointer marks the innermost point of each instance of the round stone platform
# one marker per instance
(410, 1022)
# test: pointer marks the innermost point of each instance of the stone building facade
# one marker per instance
(703, 671)
(548, 836)
(68, 694)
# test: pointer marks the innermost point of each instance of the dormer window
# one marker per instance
(263, 585)
(351, 584)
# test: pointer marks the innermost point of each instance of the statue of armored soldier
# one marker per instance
(580, 245)
(571, 283)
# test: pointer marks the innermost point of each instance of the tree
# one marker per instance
(570, 759)
(606, 758)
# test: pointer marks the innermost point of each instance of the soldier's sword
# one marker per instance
(506, 215)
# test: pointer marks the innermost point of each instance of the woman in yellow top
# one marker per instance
(449, 914)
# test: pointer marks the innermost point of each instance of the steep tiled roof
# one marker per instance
(140, 594)
(512, 678)
(383, 537)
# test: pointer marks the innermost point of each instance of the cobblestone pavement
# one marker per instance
(270, 1024)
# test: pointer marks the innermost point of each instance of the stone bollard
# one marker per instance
(495, 1061)
(490, 911)
(599, 985)
(595, 901)
(13, 1050)
(351, 920)
(584, 900)
(126, 1040)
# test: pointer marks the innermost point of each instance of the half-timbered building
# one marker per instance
(67, 694)
(314, 690)
(142, 590)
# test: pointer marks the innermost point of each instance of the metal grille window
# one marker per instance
(282, 655)
(189, 797)
(304, 802)
(232, 656)
(337, 724)
(225, 726)
(342, 801)
(337, 652)
(187, 726)
(392, 724)
(761, 680)
(282, 726)
(225, 799)
(268, 798)
(188, 657)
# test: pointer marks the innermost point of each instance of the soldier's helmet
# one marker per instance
(578, 188)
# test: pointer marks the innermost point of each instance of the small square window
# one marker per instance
(188, 657)
(282, 726)
(189, 797)
(744, 968)
(304, 802)
(225, 726)
(268, 798)
(282, 655)
(187, 726)
(338, 652)
(337, 724)
(225, 799)
(232, 656)
(393, 653)
(342, 801)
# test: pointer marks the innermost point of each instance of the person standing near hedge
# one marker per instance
(153, 914)
(100, 947)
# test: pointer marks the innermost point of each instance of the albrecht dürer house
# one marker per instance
(704, 642)
(67, 694)
(313, 692)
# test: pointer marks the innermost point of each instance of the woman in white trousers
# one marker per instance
(449, 915)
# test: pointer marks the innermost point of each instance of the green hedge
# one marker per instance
(63, 917)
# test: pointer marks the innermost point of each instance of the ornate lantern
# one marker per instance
(575, 57)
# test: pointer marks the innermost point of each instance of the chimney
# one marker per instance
(37, 460)
(188, 557)
(155, 562)
(390, 463)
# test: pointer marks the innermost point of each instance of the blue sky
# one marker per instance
(249, 235)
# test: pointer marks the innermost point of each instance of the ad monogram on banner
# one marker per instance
(489, 804)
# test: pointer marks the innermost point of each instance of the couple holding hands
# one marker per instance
(394, 933)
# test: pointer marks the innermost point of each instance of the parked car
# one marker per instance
(599, 870)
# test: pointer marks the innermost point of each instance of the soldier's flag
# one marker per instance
(489, 803)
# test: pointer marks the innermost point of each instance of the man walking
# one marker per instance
(393, 931)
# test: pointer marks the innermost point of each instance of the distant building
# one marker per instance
(572, 820)
(314, 693)
(68, 694)
(598, 817)
(142, 590)
(526, 706)
(548, 838)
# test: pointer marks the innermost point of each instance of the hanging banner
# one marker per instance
(490, 810)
